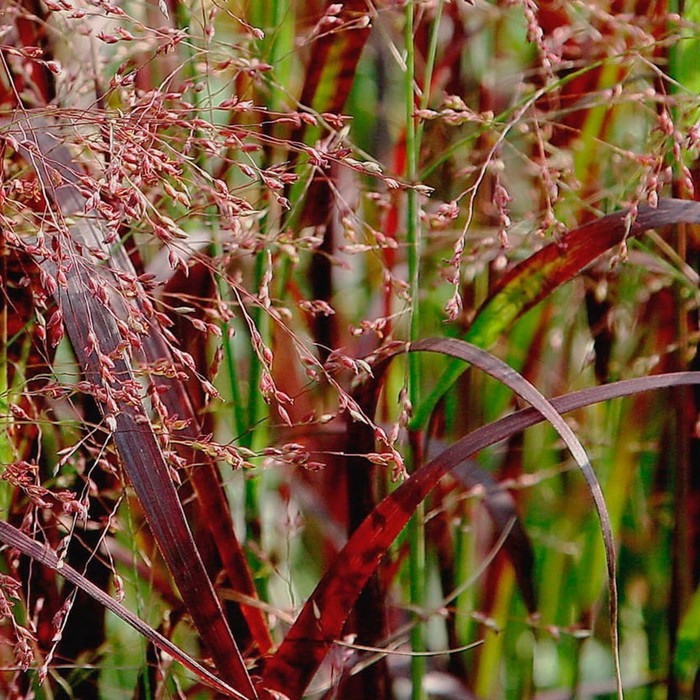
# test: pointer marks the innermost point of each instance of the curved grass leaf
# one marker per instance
(530, 282)
(96, 338)
(13, 537)
(486, 362)
(321, 620)
(207, 484)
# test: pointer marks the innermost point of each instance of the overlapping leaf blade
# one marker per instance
(206, 479)
(321, 620)
(95, 336)
(533, 280)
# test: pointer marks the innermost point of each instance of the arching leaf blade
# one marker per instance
(321, 620)
(533, 280)
(488, 363)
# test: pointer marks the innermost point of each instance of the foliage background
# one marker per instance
(212, 212)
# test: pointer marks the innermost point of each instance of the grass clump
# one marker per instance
(273, 275)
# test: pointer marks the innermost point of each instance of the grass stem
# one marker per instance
(417, 554)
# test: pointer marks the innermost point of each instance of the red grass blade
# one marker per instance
(321, 620)
(533, 280)
(34, 77)
(206, 478)
(334, 58)
(207, 483)
(499, 370)
(329, 76)
(528, 283)
(98, 345)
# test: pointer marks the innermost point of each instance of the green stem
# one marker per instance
(240, 422)
(417, 589)
(256, 405)
(6, 420)
(414, 133)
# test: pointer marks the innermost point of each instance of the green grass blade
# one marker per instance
(530, 282)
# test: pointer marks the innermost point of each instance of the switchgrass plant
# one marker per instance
(286, 287)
